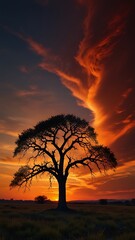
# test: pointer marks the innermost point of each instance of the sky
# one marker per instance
(77, 57)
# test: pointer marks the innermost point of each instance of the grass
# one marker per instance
(31, 221)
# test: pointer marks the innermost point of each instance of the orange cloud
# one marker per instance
(6, 129)
(32, 91)
(91, 58)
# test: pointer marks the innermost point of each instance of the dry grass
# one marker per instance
(27, 221)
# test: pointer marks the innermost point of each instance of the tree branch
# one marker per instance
(25, 174)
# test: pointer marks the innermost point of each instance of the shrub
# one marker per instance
(41, 199)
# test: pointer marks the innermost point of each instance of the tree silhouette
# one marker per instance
(41, 199)
(55, 146)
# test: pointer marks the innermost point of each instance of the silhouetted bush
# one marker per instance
(41, 199)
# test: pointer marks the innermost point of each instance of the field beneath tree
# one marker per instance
(31, 221)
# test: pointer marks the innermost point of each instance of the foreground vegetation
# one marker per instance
(31, 221)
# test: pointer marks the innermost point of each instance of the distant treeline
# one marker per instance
(127, 202)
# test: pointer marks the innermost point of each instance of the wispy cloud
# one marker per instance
(94, 52)
(24, 69)
(9, 126)
(32, 91)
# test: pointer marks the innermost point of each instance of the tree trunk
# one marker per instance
(62, 205)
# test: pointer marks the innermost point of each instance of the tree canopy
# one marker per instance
(55, 146)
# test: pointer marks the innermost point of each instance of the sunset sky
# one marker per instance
(69, 56)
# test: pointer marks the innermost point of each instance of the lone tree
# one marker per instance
(55, 146)
(41, 199)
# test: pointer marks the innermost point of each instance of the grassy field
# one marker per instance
(31, 221)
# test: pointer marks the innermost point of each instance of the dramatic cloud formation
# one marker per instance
(78, 57)
(92, 56)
